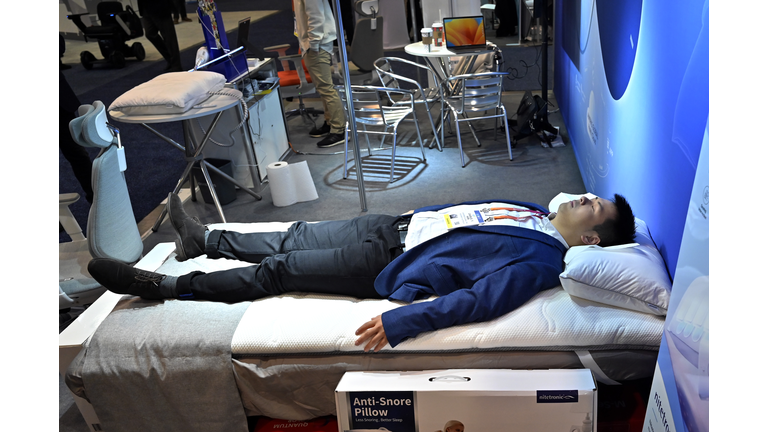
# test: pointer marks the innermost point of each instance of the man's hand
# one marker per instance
(372, 335)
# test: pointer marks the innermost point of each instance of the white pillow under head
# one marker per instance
(170, 93)
(627, 276)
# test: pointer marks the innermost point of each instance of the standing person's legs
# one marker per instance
(318, 65)
(506, 12)
(341, 257)
(168, 31)
(181, 10)
(151, 32)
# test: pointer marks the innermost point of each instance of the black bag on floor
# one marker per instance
(530, 114)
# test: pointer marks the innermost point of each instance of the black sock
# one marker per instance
(167, 287)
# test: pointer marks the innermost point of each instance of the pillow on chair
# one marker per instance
(170, 93)
(628, 276)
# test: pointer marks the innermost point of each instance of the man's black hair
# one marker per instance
(620, 230)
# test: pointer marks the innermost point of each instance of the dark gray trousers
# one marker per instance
(331, 257)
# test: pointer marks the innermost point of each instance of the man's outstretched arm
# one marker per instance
(372, 335)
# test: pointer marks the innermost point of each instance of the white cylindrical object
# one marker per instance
(290, 183)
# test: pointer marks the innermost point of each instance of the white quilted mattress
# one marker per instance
(302, 323)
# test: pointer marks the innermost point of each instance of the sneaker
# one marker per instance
(190, 233)
(124, 279)
(331, 140)
(185, 19)
(321, 131)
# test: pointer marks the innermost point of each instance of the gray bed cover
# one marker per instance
(176, 353)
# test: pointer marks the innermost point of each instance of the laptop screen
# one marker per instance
(243, 28)
(463, 32)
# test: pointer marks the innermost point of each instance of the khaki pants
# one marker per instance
(318, 65)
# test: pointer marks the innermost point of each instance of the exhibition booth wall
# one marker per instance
(632, 82)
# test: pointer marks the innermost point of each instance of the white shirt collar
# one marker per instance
(547, 227)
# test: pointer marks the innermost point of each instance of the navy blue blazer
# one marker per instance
(479, 273)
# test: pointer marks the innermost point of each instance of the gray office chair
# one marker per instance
(112, 231)
(423, 96)
(368, 110)
(368, 40)
(477, 93)
(295, 81)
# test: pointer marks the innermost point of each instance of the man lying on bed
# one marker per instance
(479, 272)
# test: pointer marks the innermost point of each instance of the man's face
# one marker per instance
(455, 428)
(579, 217)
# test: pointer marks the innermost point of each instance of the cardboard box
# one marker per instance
(320, 424)
(482, 400)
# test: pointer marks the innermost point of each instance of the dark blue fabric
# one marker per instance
(479, 273)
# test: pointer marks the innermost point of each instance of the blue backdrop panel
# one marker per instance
(632, 83)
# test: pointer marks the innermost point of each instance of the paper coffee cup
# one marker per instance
(438, 34)
(426, 36)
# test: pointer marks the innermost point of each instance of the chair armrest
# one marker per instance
(78, 21)
(296, 60)
(67, 219)
(336, 64)
(281, 50)
(409, 93)
(123, 25)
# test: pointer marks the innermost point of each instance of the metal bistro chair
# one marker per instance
(475, 93)
(368, 110)
(428, 97)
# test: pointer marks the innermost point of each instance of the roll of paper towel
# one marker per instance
(290, 183)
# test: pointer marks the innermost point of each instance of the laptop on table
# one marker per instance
(464, 34)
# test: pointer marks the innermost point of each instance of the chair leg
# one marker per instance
(471, 129)
(458, 136)
(304, 112)
(346, 148)
(506, 129)
(442, 125)
(431, 123)
(418, 134)
(367, 140)
(394, 145)
(383, 137)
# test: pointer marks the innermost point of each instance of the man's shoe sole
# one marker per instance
(331, 145)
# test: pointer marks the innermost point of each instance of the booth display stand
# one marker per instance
(233, 62)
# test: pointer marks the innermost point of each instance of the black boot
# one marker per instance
(124, 279)
(190, 233)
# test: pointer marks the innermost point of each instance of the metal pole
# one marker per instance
(350, 110)
(542, 11)
(416, 32)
